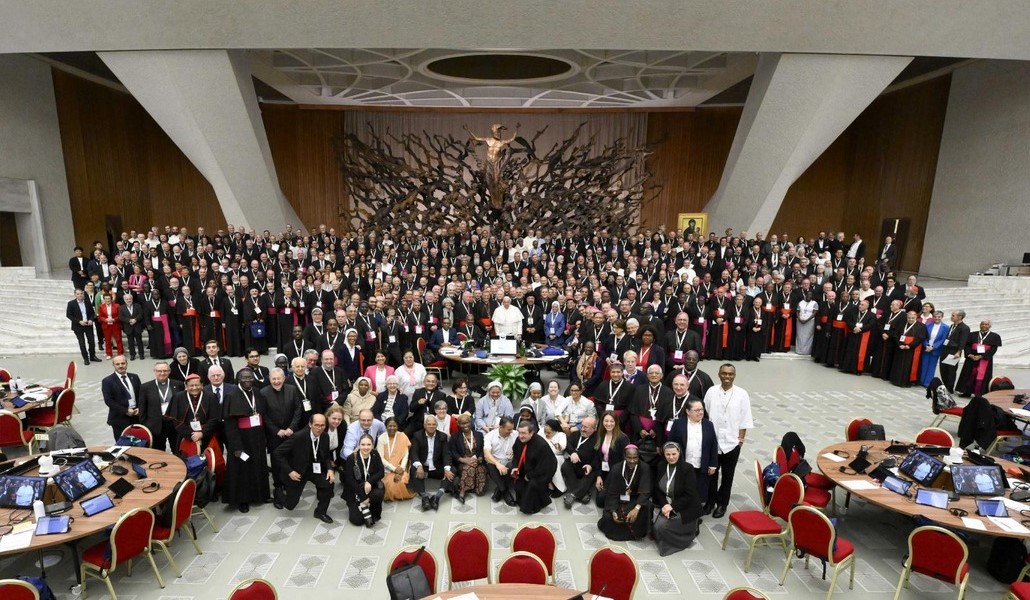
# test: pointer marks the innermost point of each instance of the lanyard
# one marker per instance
(331, 375)
(903, 333)
(680, 339)
(303, 386)
(314, 447)
(612, 393)
(652, 394)
(669, 477)
(250, 400)
(184, 373)
(164, 394)
(676, 411)
(365, 463)
(632, 474)
(194, 407)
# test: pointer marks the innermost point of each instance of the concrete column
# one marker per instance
(798, 105)
(205, 102)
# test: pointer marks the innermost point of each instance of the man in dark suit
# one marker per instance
(430, 459)
(889, 251)
(444, 337)
(218, 387)
(121, 393)
(305, 457)
(283, 413)
(77, 265)
(82, 314)
(330, 381)
(704, 457)
(211, 358)
(952, 349)
(679, 342)
(192, 414)
(577, 469)
(131, 317)
(154, 399)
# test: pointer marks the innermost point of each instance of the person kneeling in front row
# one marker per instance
(627, 503)
(306, 457)
(677, 507)
(363, 484)
(430, 459)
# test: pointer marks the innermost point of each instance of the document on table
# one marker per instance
(1008, 524)
(1021, 412)
(974, 523)
(859, 484)
(951, 359)
(20, 537)
(833, 457)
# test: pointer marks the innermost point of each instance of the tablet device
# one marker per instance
(52, 525)
(134, 459)
(18, 401)
(976, 480)
(921, 467)
(140, 471)
(991, 508)
(79, 480)
(96, 505)
(897, 485)
(120, 487)
(24, 467)
(20, 492)
(934, 498)
(899, 448)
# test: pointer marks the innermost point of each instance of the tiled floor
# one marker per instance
(297, 552)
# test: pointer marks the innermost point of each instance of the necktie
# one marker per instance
(218, 392)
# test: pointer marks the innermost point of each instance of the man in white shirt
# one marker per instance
(497, 453)
(729, 409)
(507, 319)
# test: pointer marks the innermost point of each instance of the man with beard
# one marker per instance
(246, 475)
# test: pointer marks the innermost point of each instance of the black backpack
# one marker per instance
(871, 431)
(1006, 560)
(206, 489)
(409, 582)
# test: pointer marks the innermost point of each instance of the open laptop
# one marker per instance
(20, 492)
(977, 480)
(501, 347)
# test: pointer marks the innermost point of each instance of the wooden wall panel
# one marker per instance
(691, 152)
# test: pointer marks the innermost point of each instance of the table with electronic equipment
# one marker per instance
(1012, 402)
(455, 354)
(143, 493)
(835, 462)
(28, 398)
(512, 591)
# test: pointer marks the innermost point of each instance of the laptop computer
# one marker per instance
(20, 492)
(79, 480)
(921, 467)
(977, 480)
(500, 347)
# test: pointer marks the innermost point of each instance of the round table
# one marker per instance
(6, 395)
(525, 361)
(885, 498)
(1003, 400)
(87, 526)
(511, 591)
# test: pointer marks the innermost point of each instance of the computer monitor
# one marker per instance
(79, 480)
(1026, 258)
(20, 492)
(500, 347)
(921, 467)
(976, 480)
(935, 498)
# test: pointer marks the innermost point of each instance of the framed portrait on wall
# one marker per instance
(696, 223)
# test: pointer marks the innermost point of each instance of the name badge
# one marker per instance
(609, 407)
(393, 339)
(719, 312)
(668, 426)
(234, 311)
(840, 317)
(316, 468)
(255, 420)
(157, 314)
(981, 349)
(677, 355)
(195, 425)
(551, 331)
(407, 329)
(257, 311)
(858, 326)
(768, 306)
(371, 335)
(288, 311)
(700, 320)
(418, 329)
(244, 456)
(624, 498)
(614, 357)
(335, 395)
(604, 466)
(886, 327)
(307, 405)
(212, 315)
(302, 304)
(738, 320)
(758, 321)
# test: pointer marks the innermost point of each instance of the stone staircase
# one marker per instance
(32, 317)
(1007, 307)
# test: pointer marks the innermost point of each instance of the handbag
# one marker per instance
(409, 582)
(257, 330)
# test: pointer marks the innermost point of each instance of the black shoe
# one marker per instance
(324, 518)
(585, 499)
(569, 499)
(85, 362)
(460, 498)
(496, 496)
(277, 499)
(94, 358)
(511, 502)
(555, 494)
(719, 512)
(707, 509)
(426, 503)
(435, 502)
(132, 357)
(244, 507)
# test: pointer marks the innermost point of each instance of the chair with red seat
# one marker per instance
(427, 561)
(933, 436)
(439, 367)
(537, 539)
(140, 431)
(69, 379)
(522, 567)
(613, 573)
(819, 489)
(851, 429)
(745, 593)
(5, 376)
(45, 417)
(468, 555)
(1018, 591)
(938, 553)
(761, 525)
(209, 454)
(813, 534)
(1000, 435)
(182, 510)
(254, 589)
(129, 538)
(16, 589)
(12, 434)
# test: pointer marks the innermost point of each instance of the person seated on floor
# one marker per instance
(466, 447)
(627, 503)
(677, 506)
(363, 484)
(430, 459)
(534, 467)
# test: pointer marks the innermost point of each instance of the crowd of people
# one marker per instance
(640, 428)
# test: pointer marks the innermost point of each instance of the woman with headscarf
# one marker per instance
(492, 407)
(363, 483)
(349, 356)
(360, 398)
(677, 507)
(183, 366)
(627, 504)
(554, 326)
(466, 447)
(527, 413)
(557, 441)
(393, 449)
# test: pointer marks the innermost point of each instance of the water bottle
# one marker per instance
(19, 385)
(38, 510)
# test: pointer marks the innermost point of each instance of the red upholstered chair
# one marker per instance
(819, 490)
(439, 367)
(182, 510)
(1018, 591)
(537, 539)
(209, 454)
(129, 539)
(11, 433)
(522, 567)
(5, 376)
(1002, 434)
(745, 593)
(933, 436)
(45, 417)
(851, 429)
(69, 379)
(614, 571)
(427, 561)
(254, 589)
(468, 555)
(938, 553)
(16, 589)
(761, 525)
(812, 532)
(955, 412)
(140, 431)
